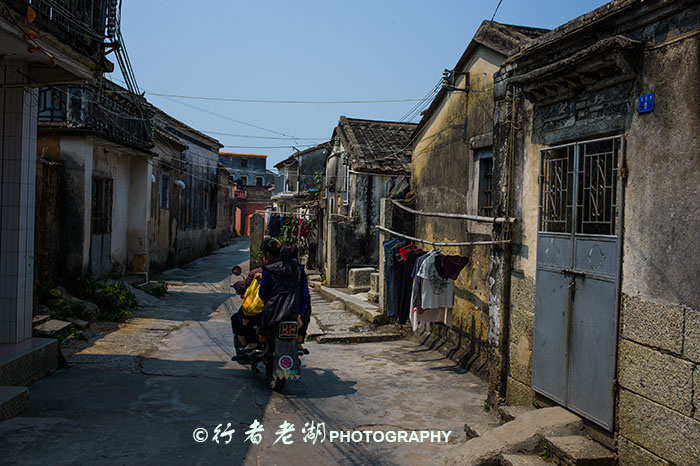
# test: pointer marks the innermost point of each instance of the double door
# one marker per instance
(577, 293)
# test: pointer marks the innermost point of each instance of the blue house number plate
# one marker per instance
(646, 103)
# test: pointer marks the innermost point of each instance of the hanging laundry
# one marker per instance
(390, 273)
(412, 254)
(451, 266)
(434, 301)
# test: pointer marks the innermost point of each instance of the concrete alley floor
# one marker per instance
(136, 395)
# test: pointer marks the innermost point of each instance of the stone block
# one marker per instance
(521, 359)
(660, 430)
(359, 279)
(631, 454)
(374, 282)
(691, 345)
(660, 377)
(658, 325)
(518, 393)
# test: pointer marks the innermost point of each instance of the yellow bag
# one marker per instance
(252, 304)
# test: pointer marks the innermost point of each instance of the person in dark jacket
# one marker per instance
(306, 296)
(282, 286)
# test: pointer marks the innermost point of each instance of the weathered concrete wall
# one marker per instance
(76, 153)
(445, 178)
(164, 216)
(659, 349)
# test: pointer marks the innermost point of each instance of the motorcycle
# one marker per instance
(277, 351)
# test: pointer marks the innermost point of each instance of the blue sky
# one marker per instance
(305, 50)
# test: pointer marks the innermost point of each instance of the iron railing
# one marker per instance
(79, 24)
(111, 113)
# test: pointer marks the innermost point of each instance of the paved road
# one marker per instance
(136, 395)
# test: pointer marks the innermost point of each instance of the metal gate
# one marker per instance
(576, 298)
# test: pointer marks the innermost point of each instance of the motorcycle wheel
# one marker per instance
(275, 383)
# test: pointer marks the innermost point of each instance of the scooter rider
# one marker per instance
(242, 325)
(282, 286)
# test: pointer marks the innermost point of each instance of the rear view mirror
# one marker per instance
(236, 270)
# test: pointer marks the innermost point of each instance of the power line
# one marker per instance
(259, 137)
(496, 10)
(268, 147)
(264, 101)
(238, 121)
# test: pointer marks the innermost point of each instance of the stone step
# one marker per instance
(577, 450)
(25, 362)
(480, 427)
(366, 311)
(522, 460)
(508, 413)
(13, 400)
(52, 326)
(520, 435)
(40, 319)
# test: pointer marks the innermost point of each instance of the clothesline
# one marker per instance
(425, 241)
(475, 218)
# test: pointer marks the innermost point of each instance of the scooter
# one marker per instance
(279, 353)
(277, 350)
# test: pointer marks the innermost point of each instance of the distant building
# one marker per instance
(247, 169)
(254, 185)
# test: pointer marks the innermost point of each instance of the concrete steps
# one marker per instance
(21, 364)
(527, 436)
(577, 450)
(522, 435)
(332, 320)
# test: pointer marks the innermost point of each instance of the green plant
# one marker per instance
(62, 309)
(486, 407)
(160, 290)
(115, 302)
(546, 453)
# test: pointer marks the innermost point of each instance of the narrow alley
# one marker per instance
(137, 394)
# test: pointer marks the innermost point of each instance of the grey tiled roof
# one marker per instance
(378, 146)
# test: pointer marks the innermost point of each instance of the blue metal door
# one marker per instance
(576, 297)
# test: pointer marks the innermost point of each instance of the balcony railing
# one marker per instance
(111, 113)
(79, 24)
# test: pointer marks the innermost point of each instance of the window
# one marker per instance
(485, 183)
(578, 187)
(244, 163)
(102, 189)
(244, 180)
(258, 181)
(164, 191)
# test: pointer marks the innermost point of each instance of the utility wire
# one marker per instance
(496, 10)
(264, 101)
